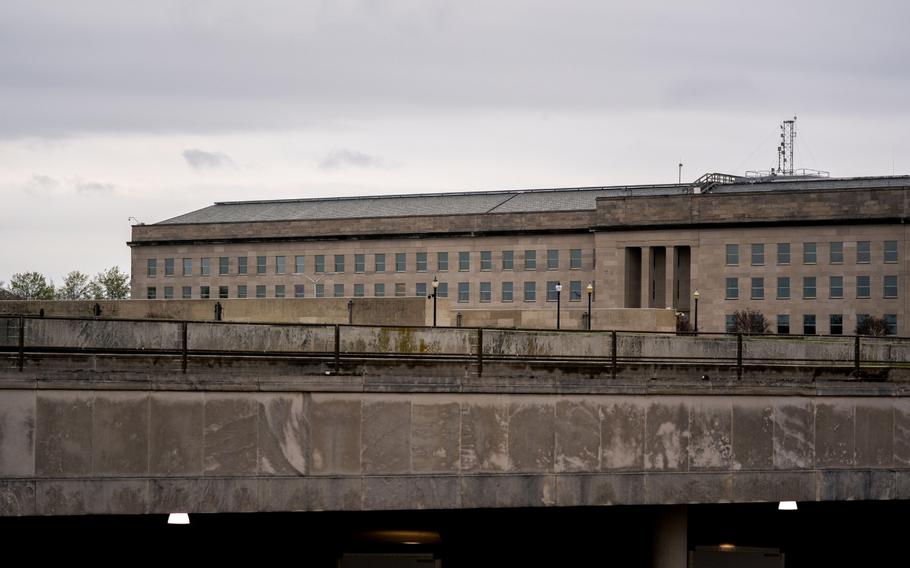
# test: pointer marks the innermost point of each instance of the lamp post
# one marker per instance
(695, 296)
(558, 293)
(590, 291)
(435, 286)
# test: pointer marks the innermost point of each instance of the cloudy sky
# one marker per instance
(149, 109)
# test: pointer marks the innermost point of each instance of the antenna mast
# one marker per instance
(785, 150)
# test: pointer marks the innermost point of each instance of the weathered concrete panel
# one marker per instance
(812, 349)
(622, 436)
(531, 436)
(834, 445)
(667, 435)
(408, 340)
(711, 436)
(702, 487)
(176, 433)
(227, 495)
(109, 334)
(250, 337)
(854, 485)
(874, 447)
(411, 492)
(335, 429)
(386, 433)
(544, 343)
(577, 435)
(435, 436)
(283, 434)
(17, 433)
(63, 444)
(17, 498)
(485, 435)
(120, 440)
(794, 434)
(309, 494)
(670, 346)
(901, 432)
(753, 434)
(485, 491)
(91, 497)
(230, 434)
(776, 486)
(584, 490)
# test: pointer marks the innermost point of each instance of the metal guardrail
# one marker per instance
(336, 344)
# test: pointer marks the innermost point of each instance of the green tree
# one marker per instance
(110, 284)
(750, 321)
(31, 286)
(76, 286)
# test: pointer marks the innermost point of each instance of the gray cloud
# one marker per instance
(344, 158)
(91, 187)
(202, 160)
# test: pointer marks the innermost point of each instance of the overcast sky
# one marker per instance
(111, 109)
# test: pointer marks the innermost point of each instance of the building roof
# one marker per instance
(485, 202)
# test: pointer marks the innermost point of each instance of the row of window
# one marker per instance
(810, 253)
(485, 290)
(810, 323)
(400, 259)
(810, 287)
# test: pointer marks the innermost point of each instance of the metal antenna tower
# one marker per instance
(785, 150)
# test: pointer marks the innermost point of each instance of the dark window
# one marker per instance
(575, 291)
(187, 292)
(241, 265)
(358, 290)
(299, 290)
(530, 260)
(732, 288)
(224, 265)
(400, 290)
(507, 292)
(339, 263)
(486, 260)
(443, 290)
(151, 292)
(890, 251)
(891, 323)
(836, 253)
(401, 263)
(339, 290)
(575, 258)
(260, 291)
(809, 324)
(836, 286)
(758, 288)
(320, 290)
(729, 323)
(204, 292)
(222, 291)
(758, 254)
(783, 288)
(420, 290)
(783, 254)
(152, 267)
(379, 263)
(530, 290)
(241, 290)
(168, 266)
(320, 263)
(204, 266)
(809, 253)
(836, 325)
(863, 252)
(808, 287)
(863, 287)
(890, 286)
(508, 259)
(551, 290)
(360, 263)
(783, 323)
(464, 261)
(421, 262)
(260, 265)
(299, 264)
(552, 259)
(442, 261)
(379, 290)
(732, 255)
(486, 291)
(464, 292)
(187, 266)
(279, 291)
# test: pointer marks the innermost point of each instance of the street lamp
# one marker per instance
(435, 285)
(558, 293)
(590, 291)
(695, 296)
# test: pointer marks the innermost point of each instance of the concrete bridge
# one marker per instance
(138, 417)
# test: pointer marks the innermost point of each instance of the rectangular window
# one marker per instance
(508, 259)
(204, 266)
(809, 324)
(758, 254)
(320, 290)
(783, 323)
(299, 291)
(730, 323)
(400, 290)
(299, 264)
(551, 290)
(732, 287)
(401, 263)
(486, 260)
(379, 289)
(224, 265)
(379, 262)
(860, 318)
(443, 290)
(187, 266)
(530, 260)
(464, 261)
(464, 292)
(338, 292)
(863, 252)
(168, 292)
(279, 291)
(732, 255)
(836, 324)
(360, 263)
(241, 265)
(421, 262)
(836, 253)
(890, 286)
(890, 251)
(151, 292)
(260, 265)
(891, 323)
(758, 288)
(836, 286)
(863, 287)
(204, 292)
(808, 287)
(552, 259)
(507, 292)
(575, 258)
(320, 263)
(152, 267)
(783, 254)
(279, 265)
(442, 261)
(339, 263)
(530, 290)
(241, 290)
(260, 290)
(575, 291)
(358, 290)
(420, 290)
(187, 292)
(783, 288)
(168, 266)
(486, 291)
(809, 253)
(222, 292)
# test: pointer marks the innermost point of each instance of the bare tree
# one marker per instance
(872, 326)
(750, 321)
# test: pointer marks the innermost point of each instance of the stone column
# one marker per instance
(671, 546)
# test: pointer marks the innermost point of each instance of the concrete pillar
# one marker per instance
(645, 277)
(671, 535)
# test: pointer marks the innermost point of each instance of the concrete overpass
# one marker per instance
(114, 417)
